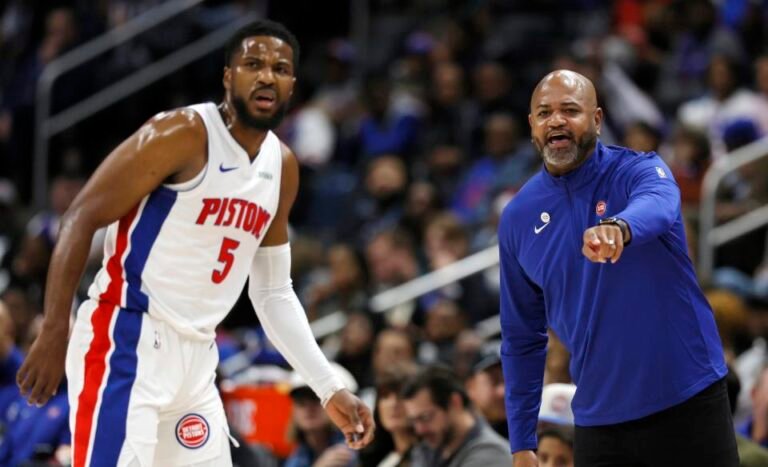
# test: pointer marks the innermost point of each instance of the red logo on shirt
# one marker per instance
(600, 208)
(192, 431)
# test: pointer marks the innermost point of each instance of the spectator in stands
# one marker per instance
(756, 427)
(343, 287)
(391, 259)
(394, 436)
(388, 129)
(319, 443)
(30, 434)
(451, 115)
(689, 159)
(726, 101)
(506, 161)
(555, 447)
(393, 346)
(642, 136)
(449, 432)
(379, 203)
(356, 348)
(485, 388)
(446, 241)
(751, 454)
(443, 321)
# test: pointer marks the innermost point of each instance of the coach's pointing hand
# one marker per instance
(43, 368)
(603, 243)
(352, 417)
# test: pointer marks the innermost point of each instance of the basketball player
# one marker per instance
(197, 201)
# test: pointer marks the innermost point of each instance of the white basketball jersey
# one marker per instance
(184, 256)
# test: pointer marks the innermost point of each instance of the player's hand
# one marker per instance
(524, 459)
(335, 456)
(352, 417)
(42, 370)
(603, 243)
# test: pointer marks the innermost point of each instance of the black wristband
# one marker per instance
(621, 224)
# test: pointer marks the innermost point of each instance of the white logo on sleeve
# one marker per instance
(661, 172)
(545, 219)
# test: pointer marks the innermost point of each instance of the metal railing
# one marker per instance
(47, 126)
(415, 288)
(711, 236)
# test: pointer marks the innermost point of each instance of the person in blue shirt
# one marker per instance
(593, 247)
(29, 434)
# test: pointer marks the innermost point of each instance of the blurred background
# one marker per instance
(410, 123)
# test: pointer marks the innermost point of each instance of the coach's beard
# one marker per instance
(258, 123)
(570, 157)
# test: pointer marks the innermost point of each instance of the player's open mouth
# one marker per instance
(559, 140)
(265, 99)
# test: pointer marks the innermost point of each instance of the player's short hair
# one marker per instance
(262, 27)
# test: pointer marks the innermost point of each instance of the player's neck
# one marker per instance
(249, 138)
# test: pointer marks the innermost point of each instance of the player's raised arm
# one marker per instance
(285, 322)
(172, 144)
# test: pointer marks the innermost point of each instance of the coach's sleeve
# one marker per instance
(654, 199)
(524, 342)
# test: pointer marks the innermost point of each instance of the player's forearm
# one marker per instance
(65, 270)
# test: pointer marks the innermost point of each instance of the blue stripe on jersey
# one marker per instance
(113, 413)
(143, 237)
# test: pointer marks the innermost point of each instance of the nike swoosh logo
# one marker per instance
(226, 169)
(536, 230)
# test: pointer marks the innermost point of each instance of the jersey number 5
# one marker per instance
(226, 257)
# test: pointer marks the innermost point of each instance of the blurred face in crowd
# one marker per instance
(500, 135)
(448, 80)
(391, 347)
(357, 335)
(721, 78)
(308, 414)
(640, 138)
(760, 396)
(761, 75)
(565, 120)
(392, 411)
(444, 321)
(259, 81)
(386, 178)
(491, 82)
(486, 391)
(554, 452)
(345, 269)
(431, 423)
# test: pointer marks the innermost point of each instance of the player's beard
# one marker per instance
(570, 157)
(258, 123)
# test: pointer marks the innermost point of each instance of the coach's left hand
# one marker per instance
(352, 417)
(603, 243)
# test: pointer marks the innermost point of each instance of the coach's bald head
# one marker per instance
(565, 120)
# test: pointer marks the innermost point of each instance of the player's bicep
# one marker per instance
(289, 188)
(159, 149)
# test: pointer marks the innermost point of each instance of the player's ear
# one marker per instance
(227, 77)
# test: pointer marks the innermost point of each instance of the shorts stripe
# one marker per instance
(113, 413)
(95, 368)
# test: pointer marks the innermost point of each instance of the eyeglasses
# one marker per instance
(423, 418)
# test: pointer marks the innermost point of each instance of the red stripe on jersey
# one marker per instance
(114, 292)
